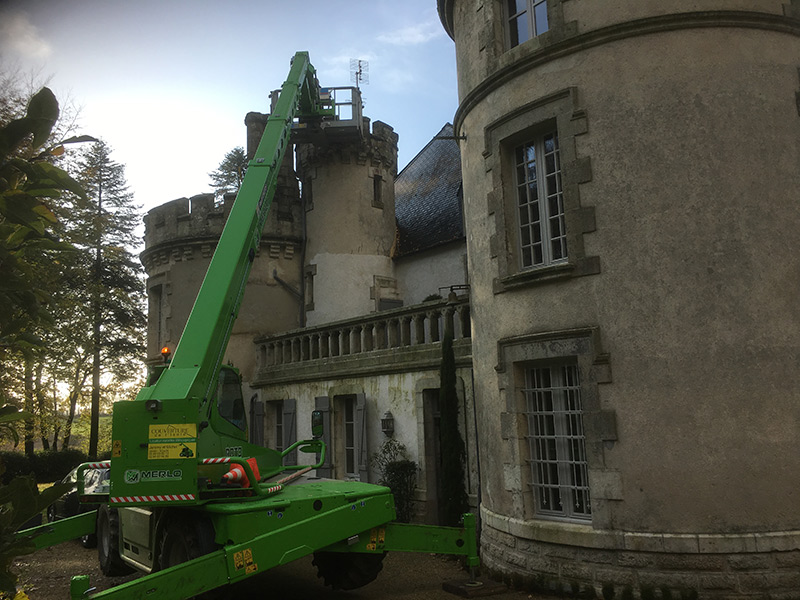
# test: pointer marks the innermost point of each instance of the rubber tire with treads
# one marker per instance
(185, 539)
(111, 563)
(347, 570)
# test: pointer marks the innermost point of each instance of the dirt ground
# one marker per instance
(46, 574)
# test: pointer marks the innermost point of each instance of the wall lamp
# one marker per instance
(387, 424)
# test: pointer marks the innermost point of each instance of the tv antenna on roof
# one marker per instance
(359, 71)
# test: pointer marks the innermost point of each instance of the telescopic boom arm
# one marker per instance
(196, 361)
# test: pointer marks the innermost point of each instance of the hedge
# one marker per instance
(46, 465)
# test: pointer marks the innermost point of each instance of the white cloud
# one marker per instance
(413, 35)
(19, 36)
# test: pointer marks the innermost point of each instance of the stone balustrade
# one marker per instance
(402, 328)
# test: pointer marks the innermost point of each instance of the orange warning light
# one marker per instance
(165, 352)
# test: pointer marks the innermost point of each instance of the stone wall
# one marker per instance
(644, 566)
(678, 135)
(348, 194)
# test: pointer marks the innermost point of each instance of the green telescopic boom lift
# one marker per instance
(174, 509)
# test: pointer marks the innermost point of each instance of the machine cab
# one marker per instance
(227, 411)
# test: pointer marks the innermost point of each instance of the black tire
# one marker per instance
(185, 539)
(347, 570)
(111, 564)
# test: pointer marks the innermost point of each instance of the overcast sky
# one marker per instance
(167, 83)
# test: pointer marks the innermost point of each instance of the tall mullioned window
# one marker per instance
(559, 472)
(526, 19)
(540, 203)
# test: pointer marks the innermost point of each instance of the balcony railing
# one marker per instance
(401, 328)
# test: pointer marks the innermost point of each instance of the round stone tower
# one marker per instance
(348, 194)
(180, 239)
(631, 174)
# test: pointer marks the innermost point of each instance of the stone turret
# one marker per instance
(180, 238)
(348, 194)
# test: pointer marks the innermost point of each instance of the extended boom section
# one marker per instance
(196, 360)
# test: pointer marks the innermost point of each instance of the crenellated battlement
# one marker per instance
(378, 149)
(189, 228)
(196, 217)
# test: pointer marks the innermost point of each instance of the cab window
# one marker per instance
(229, 399)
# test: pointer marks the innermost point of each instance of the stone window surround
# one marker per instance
(530, 15)
(560, 111)
(547, 202)
(557, 27)
(309, 273)
(583, 347)
(160, 284)
(561, 384)
(377, 189)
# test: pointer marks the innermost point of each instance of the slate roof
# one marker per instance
(427, 196)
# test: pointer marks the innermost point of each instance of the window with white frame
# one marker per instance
(526, 19)
(540, 203)
(559, 472)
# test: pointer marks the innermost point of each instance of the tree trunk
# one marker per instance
(29, 423)
(77, 385)
(94, 426)
(56, 417)
(73, 401)
(40, 403)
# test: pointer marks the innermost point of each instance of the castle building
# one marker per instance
(608, 229)
(360, 272)
(630, 181)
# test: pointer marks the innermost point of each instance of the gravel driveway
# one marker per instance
(46, 574)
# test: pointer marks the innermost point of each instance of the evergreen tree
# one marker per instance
(51, 237)
(228, 176)
(453, 503)
(30, 187)
(103, 227)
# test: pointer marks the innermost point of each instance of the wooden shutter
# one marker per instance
(362, 455)
(323, 404)
(256, 421)
(290, 429)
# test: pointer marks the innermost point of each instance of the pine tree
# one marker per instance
(228, 176)
(103, 227)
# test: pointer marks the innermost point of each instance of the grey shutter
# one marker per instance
(256, 422)
(290, 429)
(362, 456)
(323, 404)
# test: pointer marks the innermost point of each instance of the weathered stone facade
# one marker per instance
(674, 303)
(339, 318)
(348, 190)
